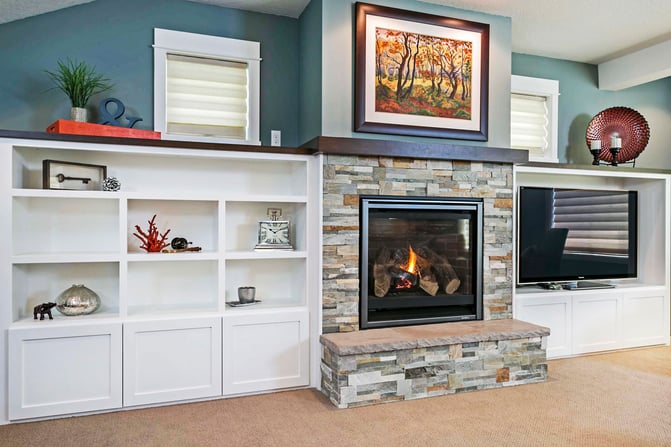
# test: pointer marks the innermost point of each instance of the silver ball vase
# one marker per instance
(77, 300)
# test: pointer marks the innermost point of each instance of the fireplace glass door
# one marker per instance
(421, 260)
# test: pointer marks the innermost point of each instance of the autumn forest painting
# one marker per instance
(417, 74)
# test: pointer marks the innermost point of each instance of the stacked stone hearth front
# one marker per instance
(450, 357)
(412, 362)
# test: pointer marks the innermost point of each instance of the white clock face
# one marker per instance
(274, 233)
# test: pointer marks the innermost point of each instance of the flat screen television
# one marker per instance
(566, 235)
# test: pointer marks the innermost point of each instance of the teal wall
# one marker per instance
(310, 90)
(117, 36)
(338, 68)
(307, 86)
(580, 99)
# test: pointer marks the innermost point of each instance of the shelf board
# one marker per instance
(159, 312)
(169, 257)
(67, 258)
(267, 198)
(177, 196)
(63, 320)
(267, 306)
(48, 136)
(266, 254)
(64, 194)
(191, 196)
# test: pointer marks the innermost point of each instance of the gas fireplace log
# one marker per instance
(427, 280)
(435, 271)
(452, 286)
(429, 284)
(444, 272)
(381, 274)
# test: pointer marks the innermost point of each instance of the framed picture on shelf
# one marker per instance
(68, 175)
(420, 74)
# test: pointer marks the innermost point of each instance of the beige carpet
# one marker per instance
(610, 400)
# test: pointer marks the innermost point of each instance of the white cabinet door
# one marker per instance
(552, 311)
(644, 318)
(64, 369)
(597, 320)
(265, 351)
(171, 360)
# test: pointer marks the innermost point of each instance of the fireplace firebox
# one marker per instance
(420, 260)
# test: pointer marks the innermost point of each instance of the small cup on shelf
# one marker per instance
(246, 294)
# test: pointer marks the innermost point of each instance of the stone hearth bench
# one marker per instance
(392, 364)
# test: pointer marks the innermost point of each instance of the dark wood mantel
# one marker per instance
(318, 145)
(405, 149)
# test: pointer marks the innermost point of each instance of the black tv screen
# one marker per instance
(575, 234)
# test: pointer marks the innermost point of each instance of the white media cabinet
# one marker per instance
(164, 332)
(634, 313)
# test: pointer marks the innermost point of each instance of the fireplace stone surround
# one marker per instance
(346, 177)
(455, 356)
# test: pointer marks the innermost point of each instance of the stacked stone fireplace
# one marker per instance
(404, 360)
(348, 177)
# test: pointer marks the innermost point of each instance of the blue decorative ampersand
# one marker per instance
(111, 118)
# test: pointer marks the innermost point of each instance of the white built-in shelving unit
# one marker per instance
(164, 332)
(634, 313)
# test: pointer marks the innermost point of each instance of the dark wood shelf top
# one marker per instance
(16, 134)
(405, 149)
(318, 145)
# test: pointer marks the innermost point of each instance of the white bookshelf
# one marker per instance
(214, 199)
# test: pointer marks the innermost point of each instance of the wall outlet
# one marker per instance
(276, 138)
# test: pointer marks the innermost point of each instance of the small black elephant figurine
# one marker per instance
(44, 308)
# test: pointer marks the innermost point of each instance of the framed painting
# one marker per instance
(420, 74)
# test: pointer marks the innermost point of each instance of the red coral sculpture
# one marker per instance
(152, 240)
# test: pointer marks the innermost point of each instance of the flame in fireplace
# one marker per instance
(411, 266)
(406, 281)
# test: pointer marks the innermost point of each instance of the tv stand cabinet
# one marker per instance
(636, 312)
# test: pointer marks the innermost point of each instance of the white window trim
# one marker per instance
(549, 88)
(190, 44)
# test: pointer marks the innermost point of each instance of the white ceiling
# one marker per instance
(591, 31)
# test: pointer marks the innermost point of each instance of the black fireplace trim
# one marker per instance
(463, 203)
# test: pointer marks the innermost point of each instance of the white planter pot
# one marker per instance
(78, 114)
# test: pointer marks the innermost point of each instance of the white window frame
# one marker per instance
(548, 88)
(190, 44)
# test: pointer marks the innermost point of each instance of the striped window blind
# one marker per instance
(529, 123)
(207, 97)
(597, 222)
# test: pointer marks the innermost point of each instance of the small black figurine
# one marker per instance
(44, 308)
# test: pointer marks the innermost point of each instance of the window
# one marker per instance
(534, 106)
(206, 88)
(598, 222)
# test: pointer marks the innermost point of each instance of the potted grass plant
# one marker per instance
(79, 81)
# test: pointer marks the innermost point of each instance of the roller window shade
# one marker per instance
(529, 123)
(597, 223)
(207, 97)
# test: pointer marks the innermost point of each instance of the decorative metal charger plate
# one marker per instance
(239, 304)
(630, 126)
